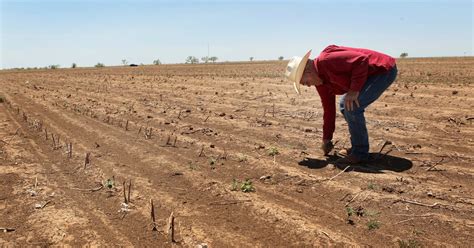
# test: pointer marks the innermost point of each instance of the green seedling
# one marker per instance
(247, 187)
(109, 183)
(371, 186)
(242, 158)
(212, 162)
(272, 151)
(373, 224)
(235, 185)
(350, 211)
(192, 166)
(411, 243)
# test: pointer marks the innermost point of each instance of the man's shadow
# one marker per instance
(376, 163)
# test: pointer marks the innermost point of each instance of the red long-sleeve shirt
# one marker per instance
(342, 69)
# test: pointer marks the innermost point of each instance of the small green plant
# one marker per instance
(373, 224)
(212, 161)
(235, 185)
(192, 166)
(272, 151)
(99, 65)
(411, 243)
(242, 158)
(371, 186)
(247, 187)
(109, 183)
(350, 211)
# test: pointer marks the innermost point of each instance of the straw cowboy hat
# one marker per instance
(295, 69)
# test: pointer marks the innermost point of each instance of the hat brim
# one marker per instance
(299, 72)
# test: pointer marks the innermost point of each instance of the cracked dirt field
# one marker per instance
(189, 136)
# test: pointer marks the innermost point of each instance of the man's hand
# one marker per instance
(327, 147)
(351, 100)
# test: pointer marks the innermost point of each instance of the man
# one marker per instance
(359, 75)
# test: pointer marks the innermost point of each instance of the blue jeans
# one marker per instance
(372, 90)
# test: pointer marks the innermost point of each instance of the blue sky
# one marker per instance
(42, 33)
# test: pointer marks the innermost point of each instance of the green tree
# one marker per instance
(403, 55)
(99, 65)
(54, 66)
(156, 62)
(213, 59)
(73, 65)
(281, 58)
(251, 58)
(205, 59)
(124, 62)
(192, 60)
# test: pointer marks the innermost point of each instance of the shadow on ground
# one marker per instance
(375, 164)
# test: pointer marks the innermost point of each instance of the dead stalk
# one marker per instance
(70, 150)
(432, 167)
(54, 141)
(387, 142)
(91, 190)
(153, 223)
(353, 198)
(421, 216)
(347, 167)
(174, 142)
(124, 194)
(419, 203)
(87, 160)
(170, 228)
(7, 229)
(129, 189)
(201, 152)
(229, 202)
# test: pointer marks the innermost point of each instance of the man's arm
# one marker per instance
(328, 101)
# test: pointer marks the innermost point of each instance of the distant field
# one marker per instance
(193, 137)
